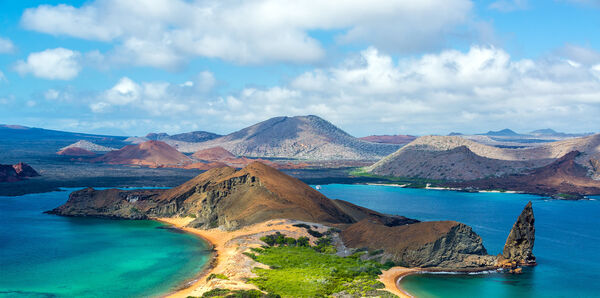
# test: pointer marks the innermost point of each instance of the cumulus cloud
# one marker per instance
(372, 92)
(52, 64)
(6, 46)
(166, 33)
(155, 98)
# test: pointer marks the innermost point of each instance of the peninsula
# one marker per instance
(254, 215)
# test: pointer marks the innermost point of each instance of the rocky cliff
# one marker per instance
(231, 199)
(438, 244)
(519, 244)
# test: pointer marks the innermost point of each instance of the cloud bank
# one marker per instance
(434, 93)
(167, 33)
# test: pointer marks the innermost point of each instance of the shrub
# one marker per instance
(217, 275)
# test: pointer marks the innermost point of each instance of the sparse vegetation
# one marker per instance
(216, 275)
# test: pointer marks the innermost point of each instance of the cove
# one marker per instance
(52, 256)
(566, 246)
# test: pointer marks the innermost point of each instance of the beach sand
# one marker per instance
(229, 247)
(230, 261)
(390, 279)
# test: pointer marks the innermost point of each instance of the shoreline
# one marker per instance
(228, 258)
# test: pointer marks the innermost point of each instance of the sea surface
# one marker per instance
(567, 244)
(44, 255)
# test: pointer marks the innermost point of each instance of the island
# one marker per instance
(274, 235)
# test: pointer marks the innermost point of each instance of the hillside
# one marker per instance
(300, 137)
(75, 151)
(192, 137)
(389, 139)
(563, 176)
(230, 199)
(150, 153)
(213, 154)
(456, 158)
(89, 146)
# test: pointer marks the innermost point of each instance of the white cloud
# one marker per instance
(6, 46)
(371, 92)
(579, 55)
(51, 94)
(2, 77)
(509, 5)
(155, 98)
(53, 64)
(167, 33)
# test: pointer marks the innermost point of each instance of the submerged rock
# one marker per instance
(518, 249)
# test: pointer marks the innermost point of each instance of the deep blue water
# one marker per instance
(567, 244)
(52, 256)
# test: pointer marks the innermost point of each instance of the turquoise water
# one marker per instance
(52, 256)
(567, 244)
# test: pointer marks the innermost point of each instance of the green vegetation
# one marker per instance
(302, 271)
(216, 275)
(225, 293)
(309, 229)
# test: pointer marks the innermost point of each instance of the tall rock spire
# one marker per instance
(519, 244)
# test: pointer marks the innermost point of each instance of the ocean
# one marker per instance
(46, 255)
(567, 244)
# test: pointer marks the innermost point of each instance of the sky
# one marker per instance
(370, 67)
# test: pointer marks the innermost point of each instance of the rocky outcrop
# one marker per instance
(110, 203)
(436, 244)
(230, 199)
(16, 172)
(595, 164)
(222, 197)
(519, 244)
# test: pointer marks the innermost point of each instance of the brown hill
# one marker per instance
(150, 153)
(300, 137)
(389, 139)
(564, 175)
(75, 151)
(213, 154)
(229, 199)
(16, 172)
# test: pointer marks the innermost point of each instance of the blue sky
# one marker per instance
(370, 67)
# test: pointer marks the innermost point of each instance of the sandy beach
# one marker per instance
(229, 260)
(229, 247)
(391, 277)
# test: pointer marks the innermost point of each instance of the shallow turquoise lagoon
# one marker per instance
(45, 255)
(567, 243)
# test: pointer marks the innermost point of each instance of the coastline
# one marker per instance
(391, 279)
(228, 258)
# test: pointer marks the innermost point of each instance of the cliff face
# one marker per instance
(438, 244)
(519, 244)
(231, 199)
(222, 197)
